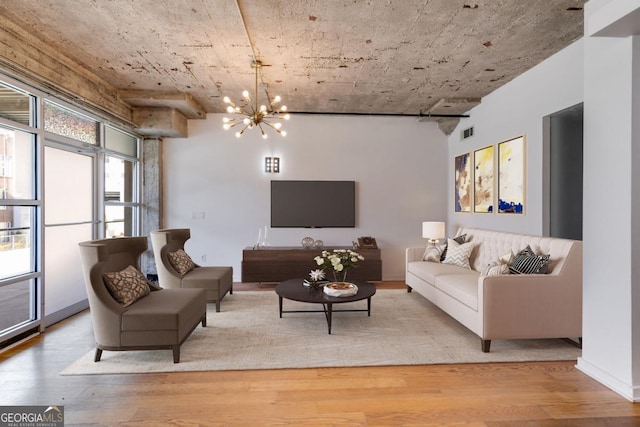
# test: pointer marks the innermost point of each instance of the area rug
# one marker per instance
(404, 329)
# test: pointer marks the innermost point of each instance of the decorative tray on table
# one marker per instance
(340, 289)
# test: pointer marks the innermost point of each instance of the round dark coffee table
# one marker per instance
(294, 290)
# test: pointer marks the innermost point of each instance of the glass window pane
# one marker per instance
(118, 221)
(118, 180)
(64, 285)
(68, 187)
(15, 105)
(17, 164)
(65, 122)
(17, 305)
(121, 142)
(16, 240)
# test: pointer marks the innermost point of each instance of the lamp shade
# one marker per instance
(433, 230)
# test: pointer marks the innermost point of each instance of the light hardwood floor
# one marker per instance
(548, 394)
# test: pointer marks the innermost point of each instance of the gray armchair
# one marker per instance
(163, 319)
(216, 280)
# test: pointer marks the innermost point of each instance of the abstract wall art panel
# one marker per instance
(463, 183)
(483, 180)
(511, 176)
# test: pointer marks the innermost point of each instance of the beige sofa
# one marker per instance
(509, 306)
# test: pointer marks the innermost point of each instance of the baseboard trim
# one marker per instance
(65, 313)
(629, 392)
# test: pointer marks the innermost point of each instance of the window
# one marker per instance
(121, 201)
(16, 105)
(62, 121)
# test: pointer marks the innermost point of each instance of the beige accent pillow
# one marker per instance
(433, 253)
(181, 261)
(127, 286)
(499, 267)
(458, 254)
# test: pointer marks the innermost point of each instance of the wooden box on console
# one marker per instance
(278, 263)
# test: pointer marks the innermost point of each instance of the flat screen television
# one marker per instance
(313, 204)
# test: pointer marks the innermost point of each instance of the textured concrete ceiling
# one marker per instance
(321, 56)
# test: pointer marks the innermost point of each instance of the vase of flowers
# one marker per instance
(338, 262)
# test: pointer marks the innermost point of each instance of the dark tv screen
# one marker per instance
(313, 204)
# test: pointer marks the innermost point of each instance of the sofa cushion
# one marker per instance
(181, 261)
(126, 286)
(527, 262)
(428, 271)
(463, 287)
(458, 254)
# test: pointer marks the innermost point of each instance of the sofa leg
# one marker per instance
(486, 345)
(217, 306)
(409, 289)
(231, 290)
(176, 354)
(204, 321)
(98, 355)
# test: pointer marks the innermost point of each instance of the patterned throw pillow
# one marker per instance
(458, 254)
(433, 253)
(499, 267)
(181, 261)
(460, 239)
(527, 262)
(127, 286)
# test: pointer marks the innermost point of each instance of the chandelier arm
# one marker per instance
(271, 126)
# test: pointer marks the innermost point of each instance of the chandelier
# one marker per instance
(254, 116)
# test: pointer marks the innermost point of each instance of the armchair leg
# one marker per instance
(486, 345)
(176, 354)
(231, 290)
(218, 306)
(409, 289)
(204, 321)
(98, 355)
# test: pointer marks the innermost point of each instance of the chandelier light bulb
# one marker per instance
(263, 108)
(283, 108)
(277, 98)
(277, 125)
(287, 116)
(264, 135)
(230, 109)
(226, 100)
(283, 133)
(238, 134)
(225, 120)
(245, 94)
(226, 126)
(246, 121)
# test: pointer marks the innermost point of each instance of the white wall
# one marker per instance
(515, 109)
(398, 164)
(611, 351)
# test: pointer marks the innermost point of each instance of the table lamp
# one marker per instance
(433, 231)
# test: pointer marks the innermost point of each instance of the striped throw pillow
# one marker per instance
(527, 262)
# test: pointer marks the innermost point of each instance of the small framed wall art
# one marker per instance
(483, 180)
(511, 176)
(462, 189)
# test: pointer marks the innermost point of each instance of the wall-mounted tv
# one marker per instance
(313, 204)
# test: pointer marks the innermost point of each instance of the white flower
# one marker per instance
(338, 267)
(354, 259)
(316, 275)
(319, 260)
